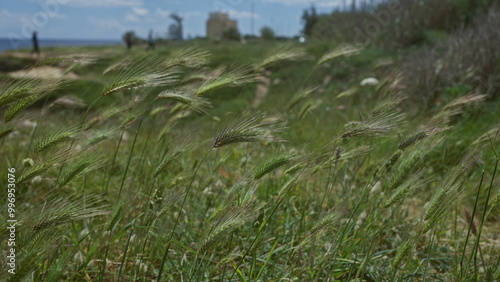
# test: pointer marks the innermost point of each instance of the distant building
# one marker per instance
(218, 23)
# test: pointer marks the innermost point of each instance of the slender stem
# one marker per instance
(350, 221)
(471, 223)
(113, 161)
(124, 255)
(433, 235)
(129, 158)
(179, 215)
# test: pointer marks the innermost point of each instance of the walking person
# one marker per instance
(128, 40)
(35, 43)
(151, 42)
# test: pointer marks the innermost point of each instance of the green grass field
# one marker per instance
(264, 161)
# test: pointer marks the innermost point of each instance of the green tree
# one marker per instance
(267, 33)
(231, 34)
(133, 37)
(310, 19)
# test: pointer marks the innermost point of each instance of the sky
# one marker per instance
(110, 19)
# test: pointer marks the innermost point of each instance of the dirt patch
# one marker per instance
(23, 55)
(262, 88)
(44, 72)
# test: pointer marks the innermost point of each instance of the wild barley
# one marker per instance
(55, 138)
(114, 217)
(240, 193)
(345, 153)
(105, 115)
(346, 50)
(43, 166)
(380, 124)
(99, 136)
(37, 246)
(168, 159)
(404, 250)
(191, 57)
(65, 210)
(146, 80)
(230, 221)
(68, 58)
(283, 53)
(197, 103)
(325, 222)
(387, 166)
(296, 167)
(249, 128)
(4, 131)
(288, 185)
(142, 73)
(349, 92)
(402, 191)
(82, 165)
(412, 138)
(305, 109)
(299, 96)
(409, 161)
(168, 200)
(492, 134)
(18, 91)
(394, 158)
(450, 193)
(273, 163)
(227, 77)
(19, 106)
(464, 100)
(387, 104)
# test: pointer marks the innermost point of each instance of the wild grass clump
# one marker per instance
(249, 128)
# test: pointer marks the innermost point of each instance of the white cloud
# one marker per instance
(7, 18)
(109, 24)
(23, 24)
(190, 14)
(132, 18)
(242, 14)
(163, 13)
(184, 15)
(140, 11)
(101, 3)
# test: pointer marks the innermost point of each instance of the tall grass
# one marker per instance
(155, 184)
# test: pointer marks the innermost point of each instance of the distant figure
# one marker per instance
(35, 43)
(151, 42)
(128, 40)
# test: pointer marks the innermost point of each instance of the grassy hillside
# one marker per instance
(260, 161)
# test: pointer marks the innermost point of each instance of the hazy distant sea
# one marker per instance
(7, 44)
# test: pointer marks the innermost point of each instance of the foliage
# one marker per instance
(267, 33)
(231, 34)
(310, 19)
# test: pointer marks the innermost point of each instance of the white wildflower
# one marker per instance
(28, 162)
(369, 81)
(36, 180)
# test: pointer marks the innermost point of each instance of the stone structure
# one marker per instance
(218, 23)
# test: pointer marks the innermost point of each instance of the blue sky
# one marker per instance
(109, 19)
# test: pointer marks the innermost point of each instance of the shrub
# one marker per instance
(267, 33)
(231, 34)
